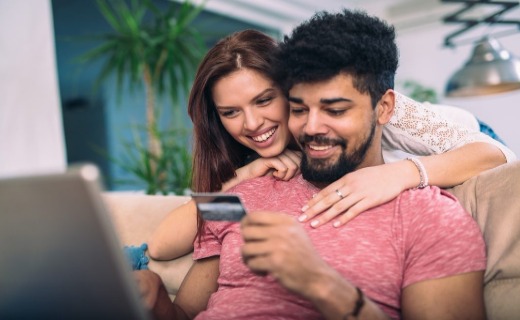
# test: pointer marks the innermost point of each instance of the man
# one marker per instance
(417, 256)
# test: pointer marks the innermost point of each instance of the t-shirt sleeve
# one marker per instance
(209, 242)
(441, 239)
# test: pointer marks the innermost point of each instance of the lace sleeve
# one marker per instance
(418, 129)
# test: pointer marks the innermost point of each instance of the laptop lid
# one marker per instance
(59, 255)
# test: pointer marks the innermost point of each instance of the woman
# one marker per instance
(240, 131)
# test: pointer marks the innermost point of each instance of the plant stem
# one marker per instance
(154, 145)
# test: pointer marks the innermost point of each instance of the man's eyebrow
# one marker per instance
(323, 100)
(334, 100)
(295, 100)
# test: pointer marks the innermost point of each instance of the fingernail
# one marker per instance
(314, 223)
(336, 224)
(302, 218)
(305, 207)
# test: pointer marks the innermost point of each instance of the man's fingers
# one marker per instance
(266, 218)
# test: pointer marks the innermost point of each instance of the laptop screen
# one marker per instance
(60, 257)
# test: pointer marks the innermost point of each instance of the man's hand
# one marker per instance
(154, 294)
(277, 244)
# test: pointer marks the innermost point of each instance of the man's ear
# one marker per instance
(385, 107)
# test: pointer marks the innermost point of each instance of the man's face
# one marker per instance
(334, 125)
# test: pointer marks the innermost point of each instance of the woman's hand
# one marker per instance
(284, 166)
(359, 191)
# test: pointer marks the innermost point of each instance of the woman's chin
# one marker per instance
(271, 152)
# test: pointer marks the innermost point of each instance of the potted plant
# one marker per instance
(158, 50)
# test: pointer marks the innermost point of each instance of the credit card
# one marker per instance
(219, 206)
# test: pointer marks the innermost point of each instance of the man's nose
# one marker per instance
(314, 124)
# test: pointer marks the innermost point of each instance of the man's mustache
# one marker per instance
(318, 139)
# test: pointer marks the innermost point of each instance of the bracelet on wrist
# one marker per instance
(360, 302)
(423, 175)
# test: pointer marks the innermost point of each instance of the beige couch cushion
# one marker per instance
(135, 217)
(493, 198)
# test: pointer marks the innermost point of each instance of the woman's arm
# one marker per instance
(175, 235)
(454, 153)
(424, 129)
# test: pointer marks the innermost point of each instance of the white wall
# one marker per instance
(31, 135)
(423, 58)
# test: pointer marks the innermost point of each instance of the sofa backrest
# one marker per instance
(493, 199)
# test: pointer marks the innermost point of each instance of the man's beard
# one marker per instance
(322, 170)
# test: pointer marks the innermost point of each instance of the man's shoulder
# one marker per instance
(254, 183)
(268, 190)
(430, 194)
(266, 184)
(267, 181)
(430, 203)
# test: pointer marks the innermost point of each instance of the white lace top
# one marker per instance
(418, 129)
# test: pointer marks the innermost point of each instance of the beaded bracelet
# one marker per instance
(360, 302)
(423, 183)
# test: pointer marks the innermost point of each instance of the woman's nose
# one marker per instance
(252, 120)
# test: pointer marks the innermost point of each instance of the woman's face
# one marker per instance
(254, 111)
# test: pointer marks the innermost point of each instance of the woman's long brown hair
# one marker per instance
(216, 155)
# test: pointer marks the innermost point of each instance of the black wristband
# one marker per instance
(360, 302)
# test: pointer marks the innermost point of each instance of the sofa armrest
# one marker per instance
(135, 217)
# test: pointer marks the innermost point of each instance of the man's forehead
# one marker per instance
(337, 87)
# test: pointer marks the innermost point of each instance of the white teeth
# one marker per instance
(319, 148)
(265, 136)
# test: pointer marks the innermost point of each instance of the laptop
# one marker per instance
(59, 254)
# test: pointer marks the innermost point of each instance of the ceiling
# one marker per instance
(284, 15)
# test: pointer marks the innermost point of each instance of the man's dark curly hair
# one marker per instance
(329, 43)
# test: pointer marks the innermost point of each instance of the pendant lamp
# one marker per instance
(491, 69)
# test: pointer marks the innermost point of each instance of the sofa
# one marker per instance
(493, 199)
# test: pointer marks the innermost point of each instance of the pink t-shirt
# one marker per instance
(422, 234)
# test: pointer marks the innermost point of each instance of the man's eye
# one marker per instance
(296, 110)
(335, 113)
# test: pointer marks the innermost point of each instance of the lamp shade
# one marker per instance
(491, 69)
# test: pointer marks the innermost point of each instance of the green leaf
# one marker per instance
(108, 14)
(164, 40)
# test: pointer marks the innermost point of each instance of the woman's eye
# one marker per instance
(228, 113)
(264, 101)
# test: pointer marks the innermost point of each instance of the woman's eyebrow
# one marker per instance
(262, 93)
(252, 100)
